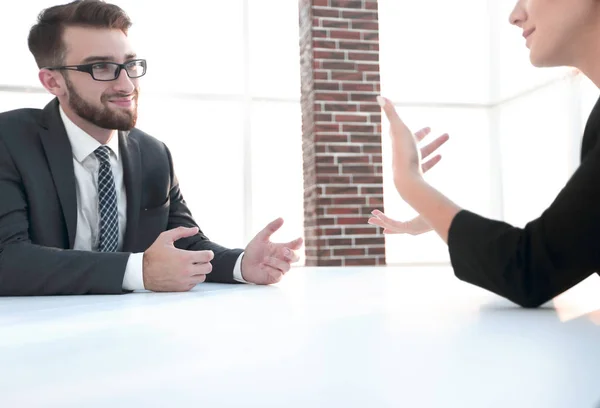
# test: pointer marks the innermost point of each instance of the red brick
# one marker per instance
(363, 56)
(320, 43)
(346, 76)
(329, 179)
(360, 261)
(363, 97)
(349, 201)
(323, 117)
(326, 221)
(351, 118)
(319, 33)
(375, 201)
(356, 4)
(342, 211)
(367, 179)
(328, 262)
(342, 108)
(330, 55)
(324, 169)
(326, 86)
(325, 159)
(369, 241)
(372, 77)
(371, 149)
(371, 190)
(376, 251)
(361, 230)
(349, 252)
(330, 232)
(326, 12)
(341, 125)
(322, 202)
(358, 87)
(334, 23)
(365, 25)
(353, 159)
(339, 242)
(365, 169)
(331, 138)
(367, 67)
(327, 127)
(358, 46)
(369, 108)
(338, 65)
(330, 96)
(358, 128)
(375, 118)
(343, 190)
(365, 139)
(344, 149)
(370, 36)
(359, 15)
(345, 35)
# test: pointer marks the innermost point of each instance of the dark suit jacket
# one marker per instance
(530, 266)
(38, 209)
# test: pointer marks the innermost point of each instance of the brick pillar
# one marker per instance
(341, 131)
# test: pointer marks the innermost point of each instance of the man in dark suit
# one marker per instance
(88, 203)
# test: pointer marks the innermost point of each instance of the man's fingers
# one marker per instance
(196, 279)
(200, 269)
(433, 146)
(425, 167)
(270, 229)
(277, 264)
(199, 257)
(286, 254)
(295, 244)
(178, 233)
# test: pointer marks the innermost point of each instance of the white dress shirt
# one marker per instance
(86, 166)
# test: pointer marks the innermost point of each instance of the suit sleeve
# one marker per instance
(28, 269)
(179, 215)
(531, 265)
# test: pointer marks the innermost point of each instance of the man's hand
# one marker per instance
(265, 262)
(168, 269)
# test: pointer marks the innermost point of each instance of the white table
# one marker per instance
(329, 337)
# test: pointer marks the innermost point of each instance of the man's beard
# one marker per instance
(103, 117)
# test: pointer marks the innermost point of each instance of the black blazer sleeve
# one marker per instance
(530, 266)
(180, 215)
(28, 269)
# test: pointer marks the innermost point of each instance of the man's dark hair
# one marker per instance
(45, 38)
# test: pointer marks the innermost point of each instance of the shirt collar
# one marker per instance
(82, 144)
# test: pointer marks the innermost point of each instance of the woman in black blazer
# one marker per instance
(529, 265)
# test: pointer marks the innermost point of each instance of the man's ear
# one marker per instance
(52, 81)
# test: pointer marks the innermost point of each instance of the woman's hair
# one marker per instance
(45, 38)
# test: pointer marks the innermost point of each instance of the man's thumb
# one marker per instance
(177, 233)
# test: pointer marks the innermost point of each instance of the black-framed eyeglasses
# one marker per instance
(108, 71)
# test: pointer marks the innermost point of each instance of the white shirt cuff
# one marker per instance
(237, 270)
(134, 272)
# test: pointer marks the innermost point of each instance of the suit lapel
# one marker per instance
(132, 176)
(60, 159)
